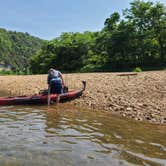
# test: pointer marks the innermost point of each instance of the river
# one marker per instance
(68, 136)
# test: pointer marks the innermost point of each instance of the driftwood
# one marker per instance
(128, 74)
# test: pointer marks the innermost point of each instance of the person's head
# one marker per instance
(51, 70)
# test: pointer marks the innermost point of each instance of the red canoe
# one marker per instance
(41, 98)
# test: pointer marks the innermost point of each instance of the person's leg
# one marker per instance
(58, 98)
(56, 88)
(58, 92)
(53, 89)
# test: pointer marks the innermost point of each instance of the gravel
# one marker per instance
(140, 96)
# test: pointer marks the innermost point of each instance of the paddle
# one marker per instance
(48, 96)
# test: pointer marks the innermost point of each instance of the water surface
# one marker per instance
(67, 136)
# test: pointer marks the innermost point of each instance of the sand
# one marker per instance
(141, 96)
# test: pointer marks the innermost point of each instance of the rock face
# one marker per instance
(6, 67)
(141, 97)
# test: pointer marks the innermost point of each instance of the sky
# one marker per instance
(47, 19)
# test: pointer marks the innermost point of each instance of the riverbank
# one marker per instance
(139, 96)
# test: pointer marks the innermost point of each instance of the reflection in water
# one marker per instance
(65, 135)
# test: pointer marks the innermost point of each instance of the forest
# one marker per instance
(16, 48)
(133, 40)
(137, 39)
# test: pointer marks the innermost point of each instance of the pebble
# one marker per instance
(137, 99)
(129, 109)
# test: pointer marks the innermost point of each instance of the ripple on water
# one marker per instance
(60, 136)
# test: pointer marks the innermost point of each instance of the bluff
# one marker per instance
(16, 48)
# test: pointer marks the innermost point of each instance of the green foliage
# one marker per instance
(137, 69)
(6, 72)
(137, 40)
(10, 72)
(66, 53)
(27, 72)
(20, 73)
(16, 48)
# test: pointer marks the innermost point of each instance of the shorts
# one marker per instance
(56, 86)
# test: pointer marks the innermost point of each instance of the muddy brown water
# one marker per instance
(68, 136)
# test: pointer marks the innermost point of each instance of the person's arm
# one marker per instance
(48, 80)
(60, 74)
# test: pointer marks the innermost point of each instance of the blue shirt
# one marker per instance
(54, 75)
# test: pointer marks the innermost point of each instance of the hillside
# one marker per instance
(16, 48)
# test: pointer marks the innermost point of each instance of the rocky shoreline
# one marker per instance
(140, 96)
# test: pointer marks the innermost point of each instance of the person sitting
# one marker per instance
(55, 83)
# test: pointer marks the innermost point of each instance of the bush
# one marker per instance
(137, 69)
(20, 73)
(27, 71)
(6, 72)
(88, 68)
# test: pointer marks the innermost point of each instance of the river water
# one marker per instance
(67, 136)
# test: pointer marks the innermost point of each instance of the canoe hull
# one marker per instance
(40, 98)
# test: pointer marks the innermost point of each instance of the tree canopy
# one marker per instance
(135, 39)
(16, 48)
(138, 39)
